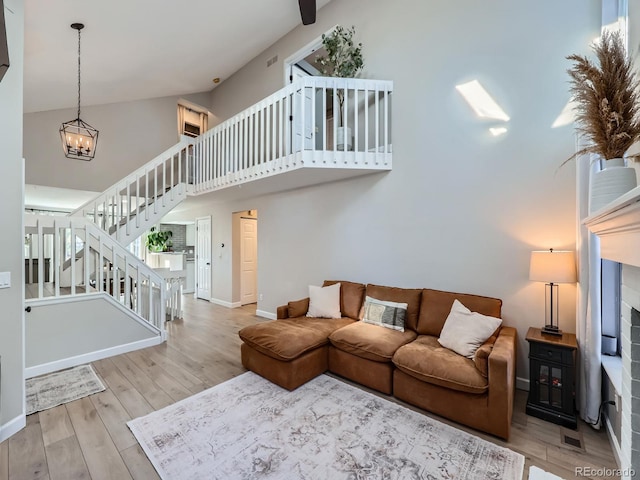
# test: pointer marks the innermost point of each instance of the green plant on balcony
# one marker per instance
(158, 241)
(343, 58)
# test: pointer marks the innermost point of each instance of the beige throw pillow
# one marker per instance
(464, 331)
(324, 302)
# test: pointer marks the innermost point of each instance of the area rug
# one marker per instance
(56, 388)
(249, 428)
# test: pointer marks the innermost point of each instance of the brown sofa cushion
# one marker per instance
(289, 338)
(436, 305)
(298, 308)
(370, 341)
(410, 296)
(426, 360)
(351, 297)
(326, 326)
(481, 358)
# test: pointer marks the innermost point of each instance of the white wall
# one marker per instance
(11, 240)
(61, 331)
(461, 209)
(131, 134)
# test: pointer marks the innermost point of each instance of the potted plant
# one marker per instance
(158, 241)
(607, 114)
(344, 60)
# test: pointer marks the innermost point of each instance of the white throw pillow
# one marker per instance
(464, 331)
(324, 302)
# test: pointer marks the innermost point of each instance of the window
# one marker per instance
(611, 302)
(192, 121)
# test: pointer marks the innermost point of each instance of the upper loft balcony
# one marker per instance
(313, 131)
(316, 130)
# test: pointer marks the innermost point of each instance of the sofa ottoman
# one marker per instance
(288, 352)
(293, 349)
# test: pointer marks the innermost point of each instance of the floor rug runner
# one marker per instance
(249, 428)
(56, 388)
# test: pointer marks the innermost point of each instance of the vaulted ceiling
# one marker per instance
(143, 48)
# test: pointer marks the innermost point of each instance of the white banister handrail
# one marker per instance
(135, 175)
(141, 190)
(100, 259)
(296, 126)
(313, 122)
(303, 123)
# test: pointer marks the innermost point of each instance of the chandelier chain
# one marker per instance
(78, 73)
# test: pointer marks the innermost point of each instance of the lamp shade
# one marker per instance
(552, 266)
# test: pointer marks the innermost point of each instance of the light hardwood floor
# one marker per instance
(89, 439)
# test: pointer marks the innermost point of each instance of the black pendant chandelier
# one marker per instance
(79, 139)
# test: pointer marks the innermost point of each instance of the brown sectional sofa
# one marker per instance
(411, 365)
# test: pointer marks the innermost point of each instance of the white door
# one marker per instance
(248, 260)
(203, 257)
(301, 110)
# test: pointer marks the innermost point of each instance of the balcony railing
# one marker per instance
(301, 125)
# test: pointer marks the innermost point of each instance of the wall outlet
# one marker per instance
(260, 296)
(5, 279)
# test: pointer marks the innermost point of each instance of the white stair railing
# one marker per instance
(132, 205)
(105, 267)
(315, 122)
(298, 126)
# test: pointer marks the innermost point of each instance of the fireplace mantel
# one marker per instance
(618, 227)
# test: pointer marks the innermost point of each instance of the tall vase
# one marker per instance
(610, 183)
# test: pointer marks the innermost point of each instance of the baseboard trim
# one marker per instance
(12, 427)
(91, 357)
(265, 314)
(224, 303)
(522, 384)
(614, 442)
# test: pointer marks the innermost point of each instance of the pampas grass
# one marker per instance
(606, 93)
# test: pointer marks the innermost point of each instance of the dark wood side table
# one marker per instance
(552, 362)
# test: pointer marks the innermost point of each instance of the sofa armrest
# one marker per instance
(282, 312)
(502, 376)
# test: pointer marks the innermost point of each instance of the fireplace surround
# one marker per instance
(618, 227)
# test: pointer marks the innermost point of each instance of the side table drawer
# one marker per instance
(550, 353)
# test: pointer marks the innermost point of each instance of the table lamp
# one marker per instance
(552, 267)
